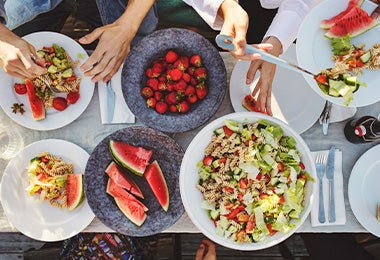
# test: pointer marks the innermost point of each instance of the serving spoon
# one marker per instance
(226, 42)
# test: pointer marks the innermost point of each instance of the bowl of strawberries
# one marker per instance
(174, 80)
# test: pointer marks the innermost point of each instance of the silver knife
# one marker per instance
(110, 101)
(330, 177)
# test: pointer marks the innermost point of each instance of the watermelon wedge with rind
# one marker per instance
(132, 208)
(157, 183)
(134, 158)
(74, 190)
(121, 179)
(328, 23)
(116, 191)
(35, 103)
(354, 23)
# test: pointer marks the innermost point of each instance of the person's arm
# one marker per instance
(286, 23)
(114, 41)
(208, 10)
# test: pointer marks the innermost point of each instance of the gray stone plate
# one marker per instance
(168, 154)
(154, 46)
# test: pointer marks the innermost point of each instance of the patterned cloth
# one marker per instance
(108, 246)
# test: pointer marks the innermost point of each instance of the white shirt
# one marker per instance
(284, 26)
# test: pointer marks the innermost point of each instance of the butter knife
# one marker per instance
(330, 177)
(110, 102)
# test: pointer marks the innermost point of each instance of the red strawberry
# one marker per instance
(200, 73)
(180, 85)
(72, 97)
(149, 73)
(201, 91)
(170, 86)
(157, 69)
(161, 107)
(146, 92)
(183, 107)
(173, 108)
(153, 83)
(59, 103)
(171, 98)
(182, 63)
(191, 70)
(20, 88)
(193, 81)
(196, 60)
(189, 90)
(186, 77)
(151, 102)
(192, 98)
(158, 95)
(161, 86)
(174, 74)
(171, 56)
(161, 78)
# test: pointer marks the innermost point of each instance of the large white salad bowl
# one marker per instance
(192, 197)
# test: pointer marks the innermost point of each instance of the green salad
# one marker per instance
(252, 180)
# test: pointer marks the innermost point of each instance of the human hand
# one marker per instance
(113, 47)
(267, 71)
(15, 56)
(206, 251)
(376, 13)
(235, 24)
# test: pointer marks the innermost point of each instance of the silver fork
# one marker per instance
(320, 167)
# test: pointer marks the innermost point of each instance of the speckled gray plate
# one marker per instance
(168, 154)
(156, 45)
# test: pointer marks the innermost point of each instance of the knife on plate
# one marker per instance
(110, 101)
(330, 177)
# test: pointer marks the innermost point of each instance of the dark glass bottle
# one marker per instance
(362, 130)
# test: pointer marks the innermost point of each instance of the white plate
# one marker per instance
(54, 119)
(314, 51)
(192, 197)
(40, 220)
(363, 190)
(292, 100)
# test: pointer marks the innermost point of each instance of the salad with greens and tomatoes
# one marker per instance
(252, 180)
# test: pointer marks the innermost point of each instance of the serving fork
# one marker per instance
(320, 167)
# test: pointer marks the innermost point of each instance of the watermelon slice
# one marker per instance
(355, 22)
(115, 173)
(74, 190)
(116, 191)
(249, 103)
(36, 104)
(328, 23)
(134, 158)
(132, 208)
(157, 183)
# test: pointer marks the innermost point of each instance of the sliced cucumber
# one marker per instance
(365, 57)
(232, 125)
(52, 69)
(219, 131)
(67, 73)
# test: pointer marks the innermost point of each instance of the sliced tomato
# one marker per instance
(263, 196)
(301, 165)
(222, 160)
(228, 189)
(321, 78)
(271, 231)
(240, 196)
(227, 131)
(243, 184)
(282, 199)
(249, 227)
(208, 160)
(280, 166)
(233, 213)
(240, 236)
(44, 159)
(243, 217)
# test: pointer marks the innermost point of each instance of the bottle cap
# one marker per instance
(360, 130)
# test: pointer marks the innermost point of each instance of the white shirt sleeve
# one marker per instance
(208, 10)
(287, 21)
